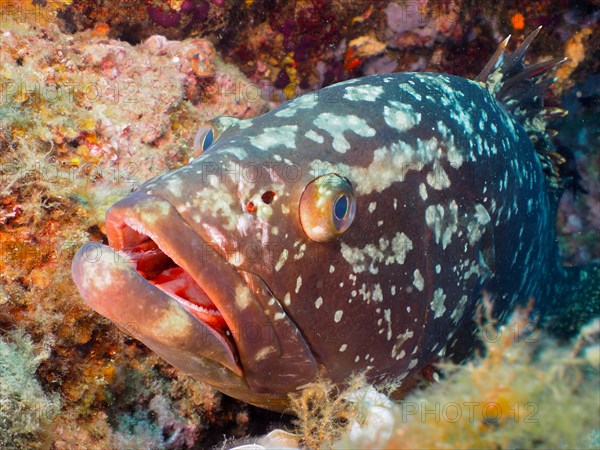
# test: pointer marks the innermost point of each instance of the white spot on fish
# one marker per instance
(264, 352)
(243, 297)
(443, 224)
(476, 227)
(314, 136)
(401, 116)
(437, 304)
(459, 310)
(338, 315)
(377, 293)
(391, 164)
(387, 315)
(298, 284)
(400, 340)
(174, 185)
(423, 191)
(371, 256)
(438, 178)
(307, 101)
(276, 136)
(418, 280)
(318, 302)
(300, 253)
(281, 260)
(336, 126)
(365, 92)
(406, 88)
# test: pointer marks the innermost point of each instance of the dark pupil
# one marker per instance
(208, 139)
(341, 207)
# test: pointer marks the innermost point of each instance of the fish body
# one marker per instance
(348, 230)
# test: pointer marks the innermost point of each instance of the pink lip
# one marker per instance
(111, 285)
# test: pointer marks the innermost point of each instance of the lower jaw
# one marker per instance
(110, 285)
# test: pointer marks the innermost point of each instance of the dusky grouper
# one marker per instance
(352, 229)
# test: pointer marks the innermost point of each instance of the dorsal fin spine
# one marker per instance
(521, 89)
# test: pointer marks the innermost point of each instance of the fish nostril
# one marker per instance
(250, 207)
(268, 197)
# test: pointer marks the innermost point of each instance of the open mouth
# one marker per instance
(158, 262)
(159, 269)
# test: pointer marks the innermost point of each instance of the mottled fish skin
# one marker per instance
(450, 201)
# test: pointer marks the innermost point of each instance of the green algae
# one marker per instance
(26, 411)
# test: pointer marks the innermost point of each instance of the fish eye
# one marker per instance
(205, 136)
(327, 207)
(340, 209)
(208, 139)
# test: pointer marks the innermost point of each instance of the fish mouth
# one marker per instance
(186, 299)
(152, 263)
(157, 261)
